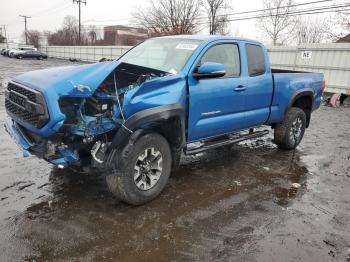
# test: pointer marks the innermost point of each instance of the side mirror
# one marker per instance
(209, 70)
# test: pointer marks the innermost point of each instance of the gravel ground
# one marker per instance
(233, 204)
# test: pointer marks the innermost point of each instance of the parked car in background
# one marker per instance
(5, 52)
(2, 50)
(14, 52)
(31, 54)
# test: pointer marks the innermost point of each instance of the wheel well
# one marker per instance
(173, 131)
(305, 103)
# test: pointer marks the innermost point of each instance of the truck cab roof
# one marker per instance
(211, 38)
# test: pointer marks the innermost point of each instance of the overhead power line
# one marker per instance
(231, 14)
(274, 8)
(54, 11)
(297, 12)
(61, 5)
(318, 10)
(309, 11)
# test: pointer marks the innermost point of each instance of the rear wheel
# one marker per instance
(141, 170)
(40, 58)
(290, 131)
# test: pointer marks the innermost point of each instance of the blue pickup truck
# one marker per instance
(133, 118)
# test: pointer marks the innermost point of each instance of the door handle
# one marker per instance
(240, 88)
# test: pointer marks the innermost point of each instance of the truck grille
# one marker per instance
(26, 92)
(26, 104)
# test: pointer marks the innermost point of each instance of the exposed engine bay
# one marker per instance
(91, 122)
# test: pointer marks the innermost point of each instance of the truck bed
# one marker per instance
(287, 83)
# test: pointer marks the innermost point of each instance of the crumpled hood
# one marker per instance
(53, 83)
(75, 81)
(83, 80)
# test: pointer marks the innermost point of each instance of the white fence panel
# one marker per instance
(85, 53)
(333, 60)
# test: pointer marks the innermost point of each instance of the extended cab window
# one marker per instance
(256, 60)
(226, 54)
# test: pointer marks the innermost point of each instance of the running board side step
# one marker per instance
(226, 142)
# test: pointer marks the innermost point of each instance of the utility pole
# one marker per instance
(79, 2)
(3, 27)
(25, 26)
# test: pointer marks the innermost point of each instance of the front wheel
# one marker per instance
(141, 170)
(290, 131)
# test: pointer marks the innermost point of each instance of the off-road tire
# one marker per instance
(282, 130)
(121, 181)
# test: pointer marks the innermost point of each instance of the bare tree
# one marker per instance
(311, 31)
(337, 28)
(33, 37)
(276, 22)
(343, 19)
(67, 35)
(71, 29)
(169, 17)
(216, 11)
(92, 35)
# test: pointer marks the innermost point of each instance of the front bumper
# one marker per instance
(63, 157)
(17, 136)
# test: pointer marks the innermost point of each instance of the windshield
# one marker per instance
(165, 54)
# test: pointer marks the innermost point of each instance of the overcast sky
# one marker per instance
(48, 14)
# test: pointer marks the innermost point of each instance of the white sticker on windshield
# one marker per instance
(173, 71)
(186, 46)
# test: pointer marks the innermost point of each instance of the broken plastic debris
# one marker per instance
(334, 100)
(82, 88)
(25, 153)
(296, 185)
(266, 168)
(238, 183)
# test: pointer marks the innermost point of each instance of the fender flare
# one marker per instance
(148, 116)
(309, 92)
(299, 93)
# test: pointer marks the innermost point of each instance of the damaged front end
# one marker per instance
(75, 112)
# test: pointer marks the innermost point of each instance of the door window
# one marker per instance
(226, 54)
(256, 60)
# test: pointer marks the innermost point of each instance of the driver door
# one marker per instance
(216, 105)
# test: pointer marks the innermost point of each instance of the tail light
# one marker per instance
(323, 85)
